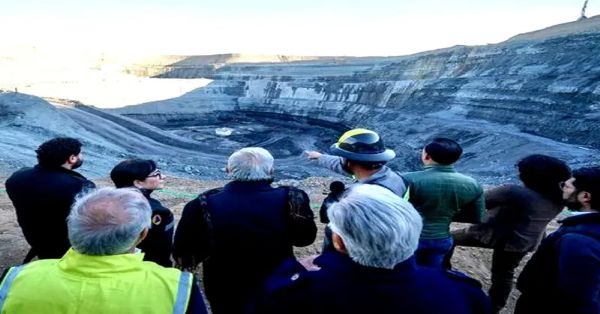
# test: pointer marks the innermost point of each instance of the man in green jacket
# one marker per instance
(442, 195)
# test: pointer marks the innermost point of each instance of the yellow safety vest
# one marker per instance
(79, 283)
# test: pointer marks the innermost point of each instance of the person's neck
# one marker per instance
(587, 209)
(429, 162)
(360, 173)
(66, 166)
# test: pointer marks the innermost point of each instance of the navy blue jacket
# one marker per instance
(245, 232)
(563, 276)
(42, 198)
(343, 286)
(158, 243)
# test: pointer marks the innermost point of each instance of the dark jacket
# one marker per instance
(517, 218)
(242, 232)
(158, 243)
(343, 286)
(42, 198)
(563, 276)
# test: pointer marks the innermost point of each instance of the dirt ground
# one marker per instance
(177, 192)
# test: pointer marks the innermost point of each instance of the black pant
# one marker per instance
(503, 267)
(503, 272)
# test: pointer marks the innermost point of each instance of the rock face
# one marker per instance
(535, 93)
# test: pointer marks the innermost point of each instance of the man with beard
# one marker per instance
(42, 196)
(563, 276)
(517, 216)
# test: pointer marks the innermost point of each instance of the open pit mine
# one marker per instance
(534, 93)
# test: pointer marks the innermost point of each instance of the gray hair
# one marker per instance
(108, 221)
(250, 164)
(379, 229)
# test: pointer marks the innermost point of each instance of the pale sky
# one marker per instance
(298, 27)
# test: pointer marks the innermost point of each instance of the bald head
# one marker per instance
(108, 221)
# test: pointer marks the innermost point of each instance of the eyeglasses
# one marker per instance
(156, 173)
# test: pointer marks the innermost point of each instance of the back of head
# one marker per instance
(379, 229)
(127, 171)
(588, 179)
(444, 151)
(543, 174)
(55, 152)
(250, 164)
(108, 221)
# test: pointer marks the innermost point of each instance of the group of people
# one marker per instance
(387, 247)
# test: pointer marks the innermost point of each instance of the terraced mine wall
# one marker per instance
(500, 101)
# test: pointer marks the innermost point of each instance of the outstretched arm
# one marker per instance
(330, 162)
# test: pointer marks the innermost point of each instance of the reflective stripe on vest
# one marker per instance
(10, 277)
(406, 195)
(182, 293)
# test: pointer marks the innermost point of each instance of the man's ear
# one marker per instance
(138, 183)
(72, 159)
(143, 235)
(586, 197)
(338, 243)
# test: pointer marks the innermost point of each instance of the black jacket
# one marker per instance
(42, 198)
(241, 233)
(159, 241)
(563, 276)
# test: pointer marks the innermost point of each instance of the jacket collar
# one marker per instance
(60, 169)
(338, 262)
(146, 192)
(591, 217)
(84, 265)
(248, 185)
(376, 176)
(439, 168)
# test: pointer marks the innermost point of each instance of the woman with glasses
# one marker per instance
(145, 176)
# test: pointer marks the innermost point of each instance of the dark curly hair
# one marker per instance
(543, 174)
(588, 179)
(129, 170)
(56, 152)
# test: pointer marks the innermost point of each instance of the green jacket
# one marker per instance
(442, 195)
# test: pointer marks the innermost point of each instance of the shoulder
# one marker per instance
(412, 175)
(167, 273)
(157, 206)
(573, 242)
(461, 278)
(292, 191)
(210, 192)
(203, 197)
(465, 179)
(289, 277)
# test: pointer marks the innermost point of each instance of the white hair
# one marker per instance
(250, 164)
(108, 221)
(379, 229)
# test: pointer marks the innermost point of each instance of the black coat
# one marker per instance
(159, 241)
(245, 232)
(42, 198)
(563, 276)
(343, 286)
